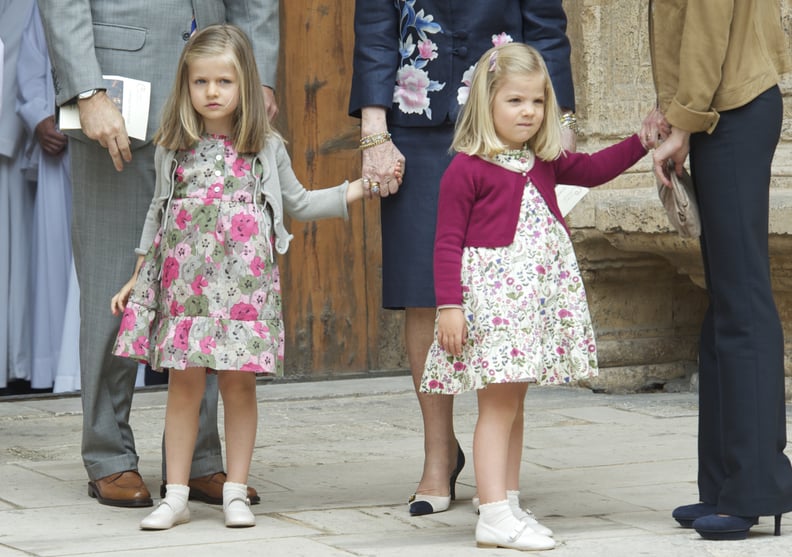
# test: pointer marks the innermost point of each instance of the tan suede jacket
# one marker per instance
(714, 55)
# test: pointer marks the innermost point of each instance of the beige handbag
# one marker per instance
(679, 202)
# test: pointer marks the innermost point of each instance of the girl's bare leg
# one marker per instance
(500, 412)
(185, 390)
(238, 389)
(516, 445)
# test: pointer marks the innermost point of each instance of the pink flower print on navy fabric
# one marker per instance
(243, 227)
(417, 50)
(411, 90)
(427, 49)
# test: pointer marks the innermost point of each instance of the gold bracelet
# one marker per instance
(569, 120)
(374, 139)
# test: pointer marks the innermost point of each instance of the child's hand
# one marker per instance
(378, 165)
(119, 301)
(398, 173)
(451, 330)
(374, 188)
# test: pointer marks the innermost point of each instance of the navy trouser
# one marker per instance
(742, 422)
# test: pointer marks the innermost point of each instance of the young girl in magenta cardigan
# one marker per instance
(511, 304)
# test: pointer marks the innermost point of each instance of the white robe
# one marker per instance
(51, 256)
(16, 210)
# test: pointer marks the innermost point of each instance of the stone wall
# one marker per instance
(645, 284)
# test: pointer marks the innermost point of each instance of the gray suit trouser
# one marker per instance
(109, 208)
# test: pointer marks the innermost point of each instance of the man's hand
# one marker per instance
(102, 121)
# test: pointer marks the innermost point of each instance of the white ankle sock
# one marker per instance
(176, 495)
(514, 502)
(232, 490)
(499, 515)
(236, 506)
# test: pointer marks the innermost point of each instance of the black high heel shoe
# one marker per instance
(719, 527)
(460, 464)
(420, 504)
(687, 514)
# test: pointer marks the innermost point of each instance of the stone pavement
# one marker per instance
(336, 460)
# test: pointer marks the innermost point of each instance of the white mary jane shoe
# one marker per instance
(523, 515)
(236, 506)
(428, 504)
(165, 517)
(523, 538)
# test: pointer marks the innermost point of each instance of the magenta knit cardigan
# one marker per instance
(479, 202)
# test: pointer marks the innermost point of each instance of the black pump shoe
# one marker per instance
(429, 504)
(457, 470)
(727, 527)
(687, 514)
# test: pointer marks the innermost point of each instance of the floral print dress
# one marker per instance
(524, 305)
(208, 293)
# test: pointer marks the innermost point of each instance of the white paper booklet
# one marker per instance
(131, 96)
(568, 197)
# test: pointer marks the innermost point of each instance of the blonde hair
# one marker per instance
(475, 130)
(181, 126)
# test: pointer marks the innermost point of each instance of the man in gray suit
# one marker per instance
(113, 181)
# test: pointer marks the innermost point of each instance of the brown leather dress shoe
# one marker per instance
(122, 489)
(209, 489)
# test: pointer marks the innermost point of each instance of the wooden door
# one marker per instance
(331, 275)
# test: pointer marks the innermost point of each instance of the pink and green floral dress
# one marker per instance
(208, 293)
(524, 305)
